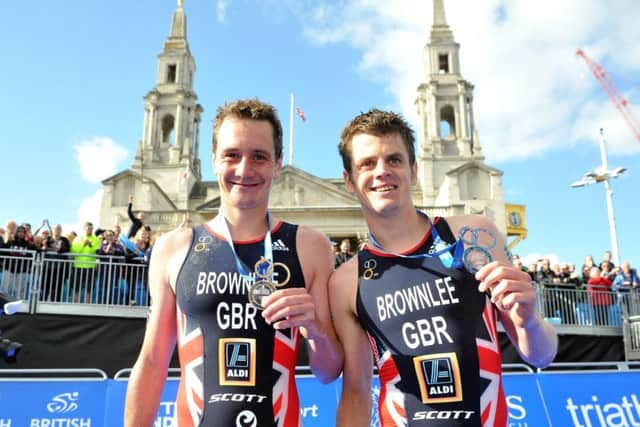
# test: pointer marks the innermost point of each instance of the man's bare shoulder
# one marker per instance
(173, 241)
(311, 237)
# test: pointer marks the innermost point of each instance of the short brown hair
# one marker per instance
(250, 109)
(379, 123)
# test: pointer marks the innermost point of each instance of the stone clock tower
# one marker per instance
(167, 164)
(451, 168)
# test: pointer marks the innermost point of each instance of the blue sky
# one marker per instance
(73, 75)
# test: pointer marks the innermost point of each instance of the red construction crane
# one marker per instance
(610, 89)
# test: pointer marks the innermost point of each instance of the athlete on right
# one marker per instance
(422, 299)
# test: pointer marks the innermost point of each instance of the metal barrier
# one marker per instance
(75, 283)
(582, 311)
(89, 374)
(117, 286)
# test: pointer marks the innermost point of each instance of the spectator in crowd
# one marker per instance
(566, 296)
(99, 233)
(117, 231)
(344, 254)
(84, 266)
(56, 266)
(39, 243)
(626, 279)
(71, 237)
(10, 230)
(18, 264)
(135, 274)
(570, 276)
(599, 287)
(46, 237)
(110, 268)
(28, 233)
(532, 271)
(557, 272)
(2, 238)
(586, 268)
(607, 259)
(136, 222)
(625, 283)
(545, 274)
(608, 270)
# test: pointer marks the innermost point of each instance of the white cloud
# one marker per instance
(221, 9)
(99, 158)
(520, 56)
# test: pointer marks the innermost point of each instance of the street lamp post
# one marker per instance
(603, 174)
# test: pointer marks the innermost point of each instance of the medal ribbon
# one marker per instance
(442, 248)
(268, 249)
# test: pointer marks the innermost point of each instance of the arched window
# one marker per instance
(167, 129)
(447, 122)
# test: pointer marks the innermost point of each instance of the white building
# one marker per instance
(165, 177)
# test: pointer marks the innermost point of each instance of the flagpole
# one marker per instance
(291, 132)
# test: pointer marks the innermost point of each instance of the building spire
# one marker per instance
(179, 24)
(439, 17)
(440, 31)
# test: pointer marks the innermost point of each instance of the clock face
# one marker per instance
(515, 220)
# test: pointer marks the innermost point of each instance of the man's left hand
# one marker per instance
(511, 291)
(289, 308)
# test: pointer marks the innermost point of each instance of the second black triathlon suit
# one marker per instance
(434, 339)
(236, 370)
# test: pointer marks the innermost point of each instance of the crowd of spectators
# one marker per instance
(621, 278)
(78, 267)
(84, 262)
(606, 288)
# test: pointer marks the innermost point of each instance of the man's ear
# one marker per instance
(414, 173)
(278, 168)
(348, 183)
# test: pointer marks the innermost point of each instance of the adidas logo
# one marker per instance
(279, 245)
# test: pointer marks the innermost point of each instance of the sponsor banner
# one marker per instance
(587, 399)
(318, 402)
(114, 405)
(524, 401)
(52, 403)
(593, 399)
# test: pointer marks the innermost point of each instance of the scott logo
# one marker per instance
(63, 403)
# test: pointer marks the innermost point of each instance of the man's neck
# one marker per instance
(246, 224)
(399, 233)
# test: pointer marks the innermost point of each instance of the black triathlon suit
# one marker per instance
(236, 369)
(434, 339)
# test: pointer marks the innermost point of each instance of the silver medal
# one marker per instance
(259, 290)
(263, 286)
(476, 257)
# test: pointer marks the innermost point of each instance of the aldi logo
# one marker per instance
(237, 361)
(439, 377)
